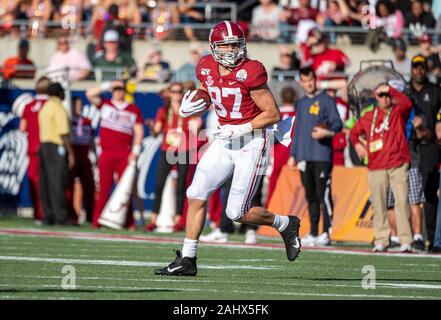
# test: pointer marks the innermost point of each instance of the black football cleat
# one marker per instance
(182, 266)
(291, 238)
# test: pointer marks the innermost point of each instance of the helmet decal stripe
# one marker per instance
(230, 31)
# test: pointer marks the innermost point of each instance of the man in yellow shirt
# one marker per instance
(56, 157)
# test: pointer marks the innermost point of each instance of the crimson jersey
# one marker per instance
(117, 123)
(230, 94)
(30, 114)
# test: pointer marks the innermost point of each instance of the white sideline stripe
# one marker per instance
(85, 236)
(269, 267)
(309, 294)
(125, 263)
(410, 285)
(296, 284)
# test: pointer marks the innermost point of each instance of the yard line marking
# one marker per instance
(234, 245)
(126, 263)
(296, 284)
(300, 294)
(410, 285)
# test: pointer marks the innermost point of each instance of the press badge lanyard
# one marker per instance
(376, 145)
(386, 123)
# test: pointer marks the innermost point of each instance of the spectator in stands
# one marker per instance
(388, 23)
(19, 66)
(29, 125)
(107, 17)
(152, 68)
(72, 58)
(427, 100)
(128, 10)
(187, 71)
(40, 12)
(189, 14)
(82, 142)
(112, 60)
(417, 17)
(432, 58)
(387, 149)
(400, 61)
(265, 21)
(55, 156)
(317, 121)
(163, 17)
(323, 59)
(280, 152)
(356, 11)
(70, 11)
(336, 15)
(121, 134)
(176, 132)
(99, 16)
(304, 12)
(288, 66)
(8, 12)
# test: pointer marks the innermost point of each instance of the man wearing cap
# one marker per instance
(432, 58)
(19, 66)
(380, 134)
(112, 60)
(400, 61)
(427, 102)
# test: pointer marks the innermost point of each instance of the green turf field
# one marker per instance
(32, 265)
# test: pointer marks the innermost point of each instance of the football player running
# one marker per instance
(245, 107)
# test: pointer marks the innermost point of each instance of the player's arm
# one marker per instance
(264, 99)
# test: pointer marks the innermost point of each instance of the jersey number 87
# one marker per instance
(216, 99)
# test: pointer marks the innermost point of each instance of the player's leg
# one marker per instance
(212, 170)
(250, 165)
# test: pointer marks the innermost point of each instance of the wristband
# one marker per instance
(105, 86)
(136, 149)
(246, 128)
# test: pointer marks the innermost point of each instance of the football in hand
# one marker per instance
(202, 94)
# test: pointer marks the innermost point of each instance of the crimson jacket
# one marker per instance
(395, 150)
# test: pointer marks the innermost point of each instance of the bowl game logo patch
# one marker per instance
(241, 75)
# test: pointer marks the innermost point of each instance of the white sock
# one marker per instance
(280, 222)
(417, 237)
(189, 248)
(395, 239)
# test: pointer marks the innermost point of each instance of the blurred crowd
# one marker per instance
(261, 20)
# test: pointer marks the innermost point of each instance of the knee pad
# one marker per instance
(234, 213)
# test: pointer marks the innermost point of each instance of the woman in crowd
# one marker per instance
(175, 150)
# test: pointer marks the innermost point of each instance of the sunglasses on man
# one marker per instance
(383, 95)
